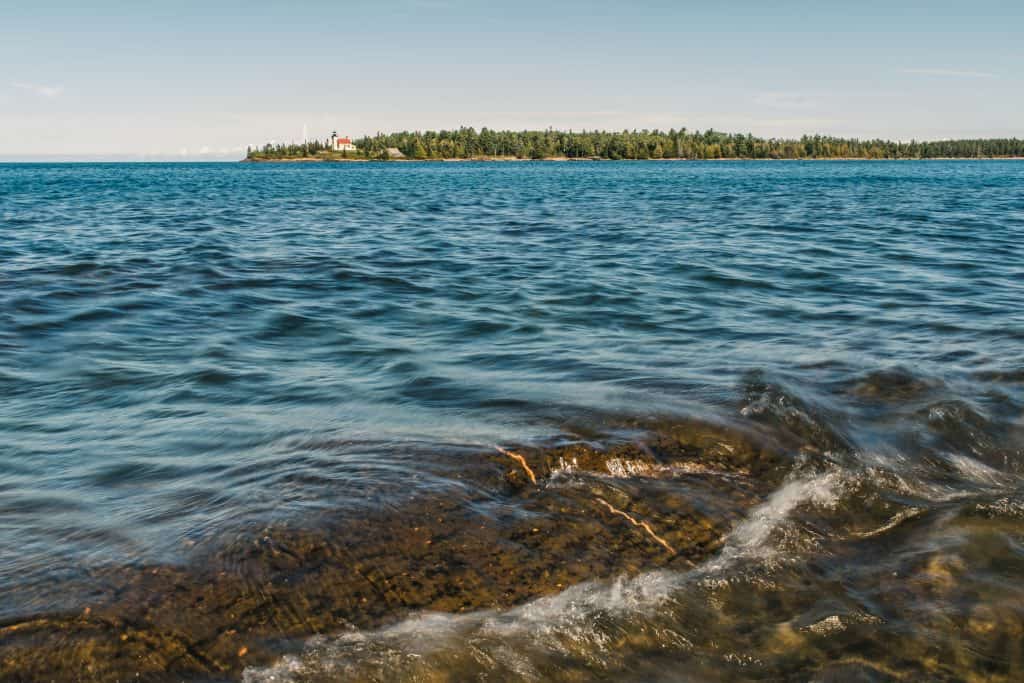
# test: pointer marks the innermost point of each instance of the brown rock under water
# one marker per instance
(666, 499)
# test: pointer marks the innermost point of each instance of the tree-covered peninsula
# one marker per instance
(469, 143)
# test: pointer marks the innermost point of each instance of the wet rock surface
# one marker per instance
(534, 521)
(653, 549)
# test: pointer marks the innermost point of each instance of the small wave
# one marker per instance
(758, 536)
(892, 385)
(578, 623)
(772, 405)
(976, 471)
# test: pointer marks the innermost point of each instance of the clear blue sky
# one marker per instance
(204, 79)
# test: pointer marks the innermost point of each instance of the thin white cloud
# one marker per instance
(784, 100)
(950, 73)
(40, 90)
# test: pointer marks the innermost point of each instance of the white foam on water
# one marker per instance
(546, 627)
(975, 470)
(620, 468)
(894, 470)
(1007, 506)
(754, 537)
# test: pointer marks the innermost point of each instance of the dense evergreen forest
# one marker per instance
(468, 143)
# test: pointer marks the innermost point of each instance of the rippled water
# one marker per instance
(207, 368)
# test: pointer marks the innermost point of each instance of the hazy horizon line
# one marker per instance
(238, 153)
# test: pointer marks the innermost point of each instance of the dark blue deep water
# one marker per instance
(190, 353)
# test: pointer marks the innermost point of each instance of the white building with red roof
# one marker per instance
(341, 144)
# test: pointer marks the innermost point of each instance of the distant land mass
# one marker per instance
(487, 144)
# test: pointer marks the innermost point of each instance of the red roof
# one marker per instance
(344, 141)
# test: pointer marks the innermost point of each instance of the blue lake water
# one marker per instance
(191, 352)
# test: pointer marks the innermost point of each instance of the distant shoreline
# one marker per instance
(469, 144)
(323, 160)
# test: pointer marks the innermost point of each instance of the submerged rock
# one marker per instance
(538, 521)
(894, 385)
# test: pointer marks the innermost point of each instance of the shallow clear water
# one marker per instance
(195, 353)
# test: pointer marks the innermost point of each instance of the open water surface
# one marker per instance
(512, 421)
